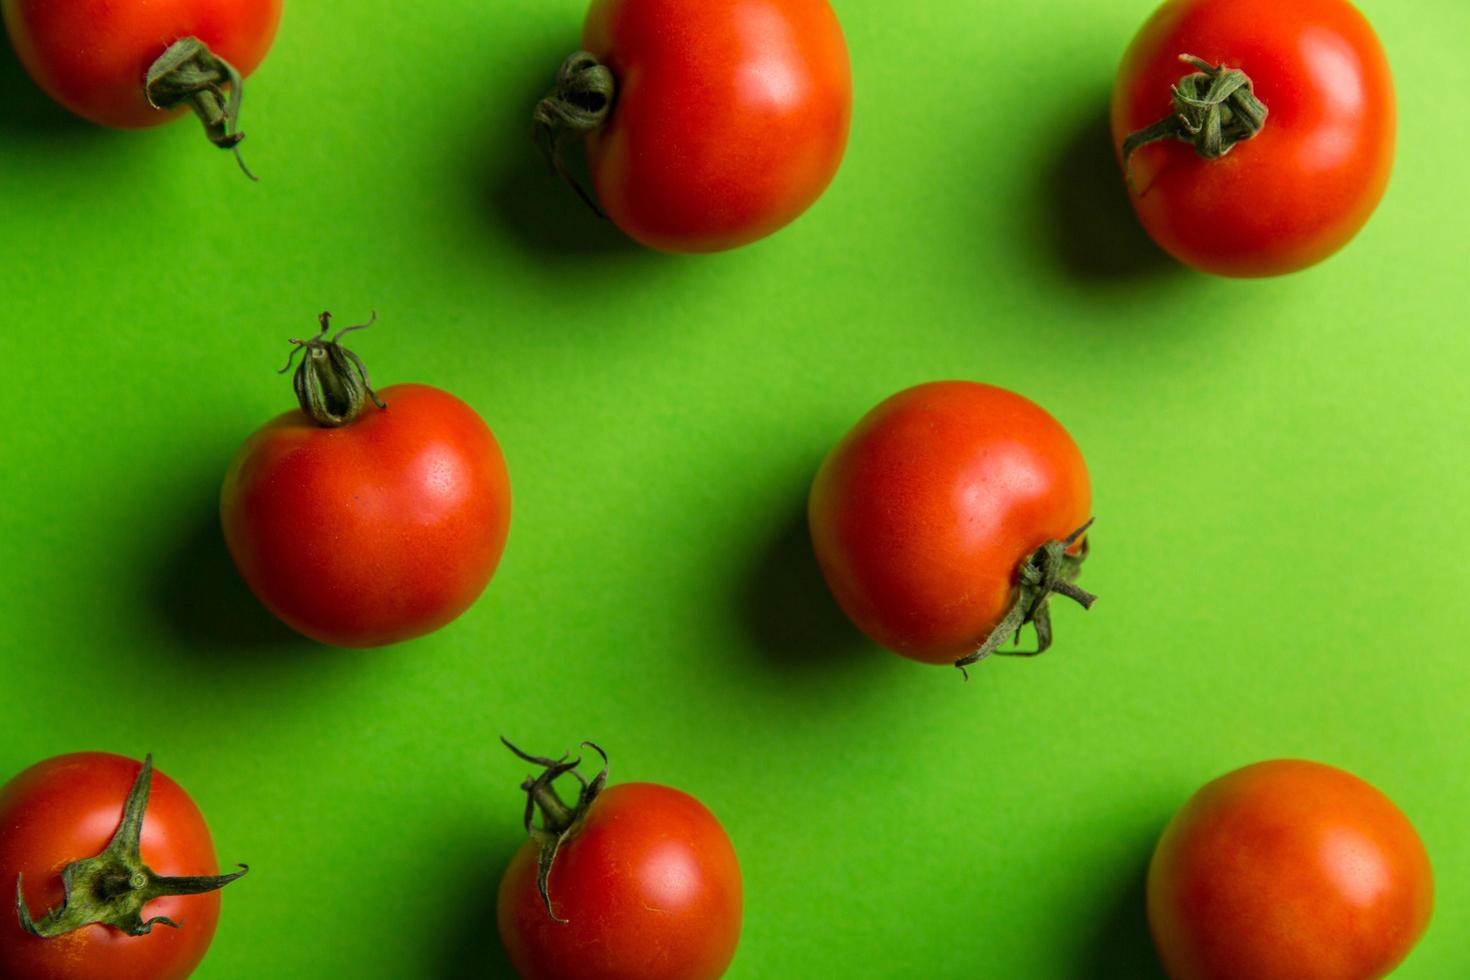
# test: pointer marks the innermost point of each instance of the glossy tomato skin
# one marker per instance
(92, 55)
(730, 119)
(1305, 185)
(1288, 870)
(649, 886)
(381, 530)
(921, 515)
(66, 809)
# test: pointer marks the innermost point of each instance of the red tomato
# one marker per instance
(644, 886)
(1288, 870)
(728, 120)
(1307, 181)
(67, 809)
(375, 531)
(926, 516)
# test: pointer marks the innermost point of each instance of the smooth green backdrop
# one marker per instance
(1280, 472)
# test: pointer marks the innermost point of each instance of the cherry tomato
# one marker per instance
(713, 124)
(643, 885)
(947, 516)
(68, 809)
(94, 56)
(370, 526)
(1299, 188)
(1288, 870)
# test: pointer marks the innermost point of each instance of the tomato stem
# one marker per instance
(112, 888)
(1050, 569)
(331, 382)
(1214, 108)
(558, 820)
(188, 72)
(579, 102)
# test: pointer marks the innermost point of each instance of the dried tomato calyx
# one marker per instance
(558, 820)
(112, 888)
(1051, 569)
(1214, 109)
(579, 102)
(331, 382)
(189, 73)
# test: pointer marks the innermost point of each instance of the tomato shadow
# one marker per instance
(199, 597)
(1091, 233)
(28, 112)
(528, 206)
(786, 609)
(1120, 947)
(471, 947)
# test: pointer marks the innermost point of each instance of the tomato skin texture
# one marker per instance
(730, 120)
(921, 514)
(381, 530)
(1288, 870)
(650, 887)
(67, 808)
(92, 55)
(1301, 188)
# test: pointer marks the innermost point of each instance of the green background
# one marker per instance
(1279, 469)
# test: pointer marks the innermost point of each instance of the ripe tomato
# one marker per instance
(711, 124)
(947, 516)
(642, 885)
(94, 56)
(1288, 870)
(1304, 184)
(66, 810)
(360, 528)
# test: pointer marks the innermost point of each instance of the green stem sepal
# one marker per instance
(112, 888)
(188, 73)
(1214, 109)
(579, 102)
(559, 821)
(1050, 570)
(331, 383)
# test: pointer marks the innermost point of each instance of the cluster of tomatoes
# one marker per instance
(1255, 137)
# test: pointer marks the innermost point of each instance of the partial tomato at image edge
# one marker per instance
(133, 65)
(948, 518)
(1288, 870)
(635, 881)
(707, 125)
(140, 897)
(363, 518)
(1256, 137)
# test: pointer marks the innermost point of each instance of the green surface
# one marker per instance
(1279, 470)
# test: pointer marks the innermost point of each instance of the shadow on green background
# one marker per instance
(528, 204)
(470, 947)
(787, 611)
(1092, 234)
(1120, 948)
(200, 599)
(29, 114)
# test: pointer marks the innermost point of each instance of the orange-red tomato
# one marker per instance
(1308, 180)
(378, 531)
(92, 55)
(66, 809)
(1288, 870)
(730, 117)
(923, 513)
(648, 885)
